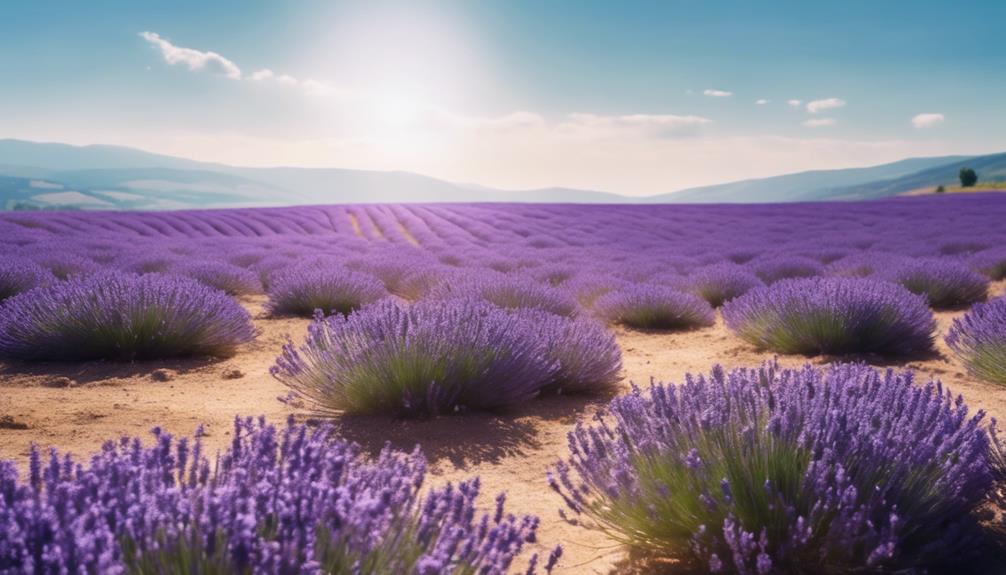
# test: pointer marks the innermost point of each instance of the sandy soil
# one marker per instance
(76, 407)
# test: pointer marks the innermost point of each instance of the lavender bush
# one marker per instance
(654, 307)
(225, 277)
(587, 356)
(832, 316)
(720, 283)
(277, 501)
(979, 339)
(773, 269)
(843, 470)
(19, 275)
(427, 359)
(120, 316)
(944, 282)
(303, 289)
(991, 262)
(509, 291)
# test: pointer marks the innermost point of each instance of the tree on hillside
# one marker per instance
(940, 189)
(968, 177)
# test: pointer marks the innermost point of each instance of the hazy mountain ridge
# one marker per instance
(46, 175)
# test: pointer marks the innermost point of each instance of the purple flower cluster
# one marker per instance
(228, 278)
(588, 357)
(979, 339)
(302, 289)
(991, 262)
(18, 275)
(832, 316)
(841, 470)
(118, 316)
(444, 356)
(649, 306)
(277, 501)
(944, 282)
(719, 283)
(509, 291)
(773, 269)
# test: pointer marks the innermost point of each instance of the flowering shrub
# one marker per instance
(944, 282)
(771, 270)
(843, 470)
(587, 356)
(991, 262)
(719, 283)
(979, 339)
(430, 358)
(303, 289)
(586, 288)
(509, 291)
(654, 307)
(18, 275)
(121, 316)
(225, 277)
(65, 265)
(861, 265)
(833, 316)
(289, 501)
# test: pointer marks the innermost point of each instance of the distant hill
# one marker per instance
(125, 178)
(849, 184)
(50, 176)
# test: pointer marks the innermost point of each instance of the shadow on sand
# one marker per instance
(470, 438)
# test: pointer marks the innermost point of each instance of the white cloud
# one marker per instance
(762, 101)
(193, 59)
(794, 103)
(263, 74)
(927, 120)
(657, 125)
(816, 106)
(819, 122)
(717, 93)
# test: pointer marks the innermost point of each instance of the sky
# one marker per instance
(630, 97)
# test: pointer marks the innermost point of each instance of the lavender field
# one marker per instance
(655, 388)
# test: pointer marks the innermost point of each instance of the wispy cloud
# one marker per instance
(660, 125)
(762, 101)
(717, 93)
(819, 122)
(191, 58)
(927, 120)
(816, 106)
(794, 103)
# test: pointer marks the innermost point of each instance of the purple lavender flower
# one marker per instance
(862, 264)
(845, 469)
(719, 283)
(289, 501)
(585, 351)
(223, 276)
(944, 282)
(832, 316)
(508, 291)
(302, 289)
(433, 357)
(773, 269)
(979, 339)
(991, 262)
(18, 275)
(654, 307)
(121, 316)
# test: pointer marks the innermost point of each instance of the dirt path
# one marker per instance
(76, 407)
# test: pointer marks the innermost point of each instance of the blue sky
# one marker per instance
(632, 97)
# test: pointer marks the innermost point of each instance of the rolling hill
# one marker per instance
(60, 176)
